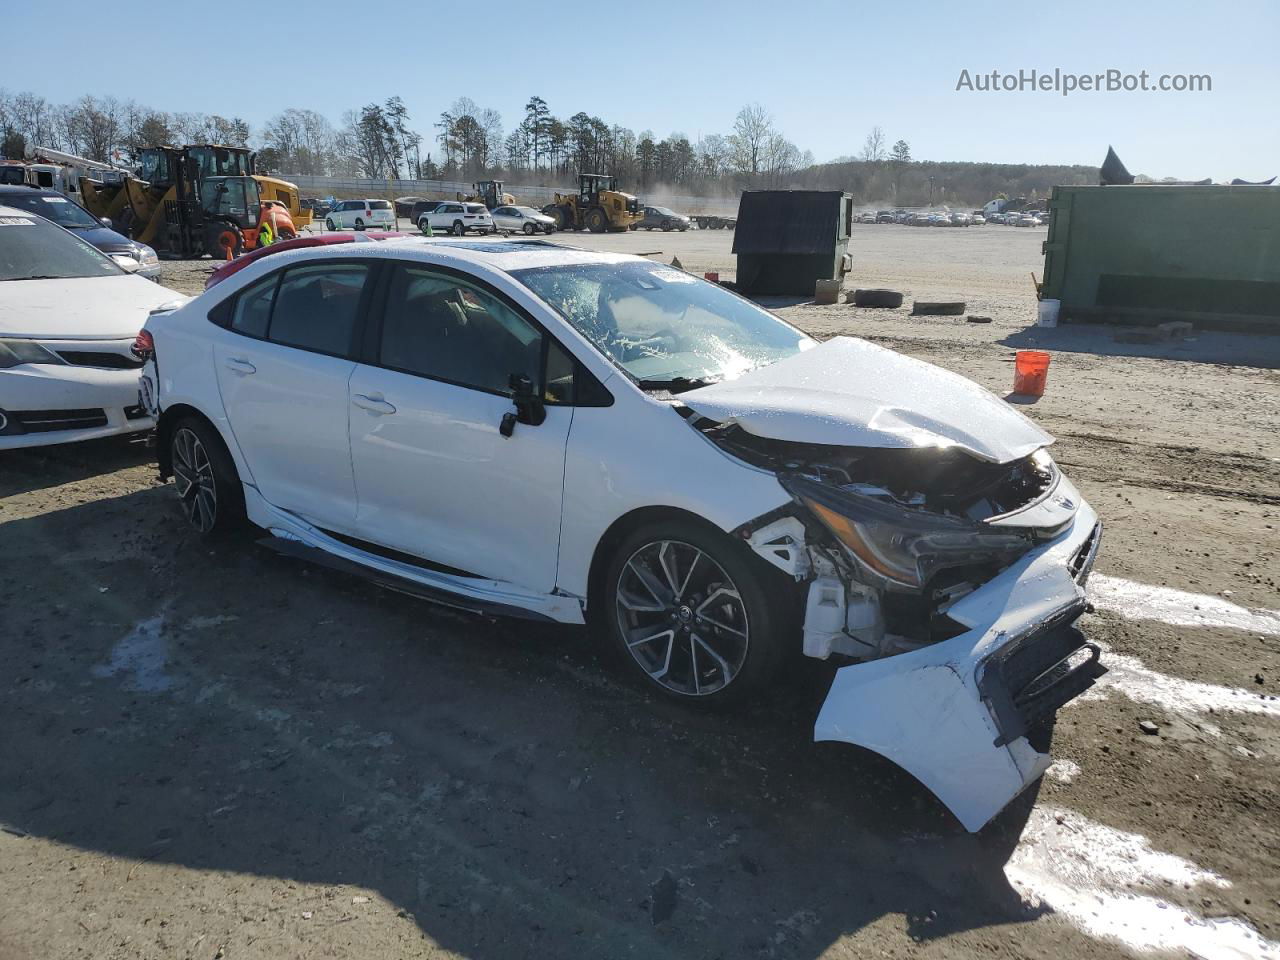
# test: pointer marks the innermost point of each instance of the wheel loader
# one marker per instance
(488, 192)
(597, 206)
(199, 199)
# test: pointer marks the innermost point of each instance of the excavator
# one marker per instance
(199, 199)
(488, 192)
(597, 206)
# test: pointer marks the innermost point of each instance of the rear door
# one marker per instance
(436, 476)
(283, 364)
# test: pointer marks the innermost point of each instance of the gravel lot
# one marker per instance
(217, 752)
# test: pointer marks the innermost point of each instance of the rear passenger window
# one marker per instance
(252, 309)
(316, 307)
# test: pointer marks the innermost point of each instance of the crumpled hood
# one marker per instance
(86, 308)
(848, 392)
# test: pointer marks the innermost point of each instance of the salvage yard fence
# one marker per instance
(532, 195)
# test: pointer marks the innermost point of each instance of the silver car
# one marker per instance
(525, 219)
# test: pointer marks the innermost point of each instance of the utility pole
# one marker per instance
(931, 191)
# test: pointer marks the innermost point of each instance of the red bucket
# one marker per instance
(1030, 372)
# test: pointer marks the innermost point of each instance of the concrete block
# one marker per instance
(827, 291)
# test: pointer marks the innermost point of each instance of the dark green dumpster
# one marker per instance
(1149, 253)
(787, 240)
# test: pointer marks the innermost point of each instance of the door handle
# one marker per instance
(374, 404)
(240, 366)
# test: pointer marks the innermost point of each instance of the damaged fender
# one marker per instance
(946, 714)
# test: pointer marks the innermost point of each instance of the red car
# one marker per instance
(312, 240)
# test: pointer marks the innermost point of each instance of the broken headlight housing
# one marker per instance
(902, 548)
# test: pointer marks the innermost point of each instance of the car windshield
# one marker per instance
(34, 249)
(58, 209)
(665, 328)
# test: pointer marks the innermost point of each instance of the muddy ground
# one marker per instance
(215, 752)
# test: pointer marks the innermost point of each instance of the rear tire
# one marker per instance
(328, 225)
(221, 238)
(696, 615)
(359, 224)
(597, 222)
(458, 229)
(205, 479)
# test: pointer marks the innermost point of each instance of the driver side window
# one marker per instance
(439, 326)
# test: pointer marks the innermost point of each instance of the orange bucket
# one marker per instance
(1030, 372)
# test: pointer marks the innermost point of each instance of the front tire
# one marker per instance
(205, 478)
(530, 229)
(695, 613)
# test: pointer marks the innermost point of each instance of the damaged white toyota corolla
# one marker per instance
(523, 428)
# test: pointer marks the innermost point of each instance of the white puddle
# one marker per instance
(1091, 875)
(1141, 601)
(1139, 682)
(141, 655)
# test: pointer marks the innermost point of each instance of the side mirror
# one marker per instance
(105, 221)
(529, 406)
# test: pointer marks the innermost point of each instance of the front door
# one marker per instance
(435, 475)
(283, 363)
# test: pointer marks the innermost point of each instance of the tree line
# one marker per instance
(468, 141)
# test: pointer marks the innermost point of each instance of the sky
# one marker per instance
(826, 71)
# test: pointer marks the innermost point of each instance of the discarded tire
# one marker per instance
(876, 298)
(951, 308)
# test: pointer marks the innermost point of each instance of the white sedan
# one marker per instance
(524, 220)
(68, 319)
(524, 429)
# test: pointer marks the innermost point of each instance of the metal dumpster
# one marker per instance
(787, 240)
(1148, 253)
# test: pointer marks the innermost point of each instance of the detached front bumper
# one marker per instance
(955, 714)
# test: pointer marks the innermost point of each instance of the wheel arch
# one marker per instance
(619, 530)
(169, 418)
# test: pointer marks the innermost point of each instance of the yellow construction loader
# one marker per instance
(198, 199)
(490, 193)
(597, 206)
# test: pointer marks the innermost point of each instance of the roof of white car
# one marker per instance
(496, 254)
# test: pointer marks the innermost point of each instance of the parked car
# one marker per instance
(69, 316)
(132, 256)
(960, 220)
(458, 218)
(1026, 220)
(920, 220)
(232, 267)
(523, 219)
(509, 414)
(884, 216)
(662, 218)
(361, 215)
(977, 219)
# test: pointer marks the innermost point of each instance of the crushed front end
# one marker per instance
(948, 587)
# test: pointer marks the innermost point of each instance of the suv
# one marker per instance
(457, 218)
(361, 214)
(884, 216)
(132, 256)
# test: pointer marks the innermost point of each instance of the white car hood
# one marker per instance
(86, 308)
(848, 392)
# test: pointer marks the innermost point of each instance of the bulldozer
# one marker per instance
(199, 199)
(597, 206)
(488, 192)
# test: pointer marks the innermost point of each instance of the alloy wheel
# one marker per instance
(194, 480)
(682, 618)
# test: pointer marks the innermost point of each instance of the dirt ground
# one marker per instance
(216, 752)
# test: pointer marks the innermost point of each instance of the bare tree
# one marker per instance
(873, 148)
(752, 131)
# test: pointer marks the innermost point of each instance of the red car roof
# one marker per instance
(311, 240)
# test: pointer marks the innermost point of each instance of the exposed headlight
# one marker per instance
(900, 547)
(14, 352)
(146, 255)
